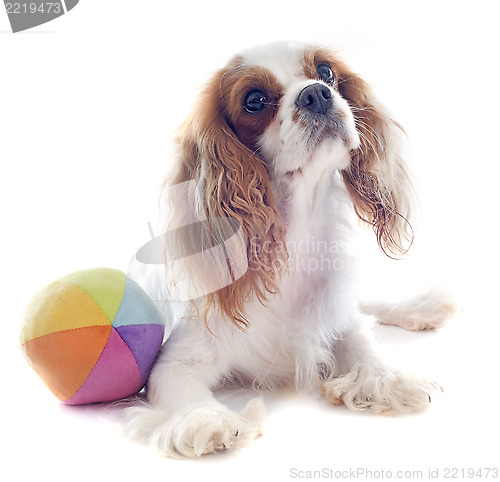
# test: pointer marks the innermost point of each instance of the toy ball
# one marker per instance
(92, 336)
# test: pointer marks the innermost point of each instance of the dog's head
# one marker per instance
(285, 102)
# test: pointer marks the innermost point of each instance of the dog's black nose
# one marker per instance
(316, 98)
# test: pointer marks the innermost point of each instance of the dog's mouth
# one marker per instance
(325, 127)
(316, 132)
(311, 138)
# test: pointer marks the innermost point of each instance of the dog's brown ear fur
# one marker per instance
(232, 182)
(377, 178)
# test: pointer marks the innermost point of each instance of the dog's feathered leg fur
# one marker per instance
(429, 310)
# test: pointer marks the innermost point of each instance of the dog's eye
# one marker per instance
(325, 73)
(254, 101)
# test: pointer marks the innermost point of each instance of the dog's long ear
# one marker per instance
(377, 178)
(230, 182)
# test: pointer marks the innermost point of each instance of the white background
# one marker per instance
(88, 105)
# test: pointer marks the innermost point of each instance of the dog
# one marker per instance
(285, 150)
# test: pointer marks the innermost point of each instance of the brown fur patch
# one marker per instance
(376, 178)
(219, 138)
(236, 83)
(314, 57)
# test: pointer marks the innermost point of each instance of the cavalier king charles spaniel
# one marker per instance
(284, 150)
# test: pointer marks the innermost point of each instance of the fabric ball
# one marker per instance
(92, 336)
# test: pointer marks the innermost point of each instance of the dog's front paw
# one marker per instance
(385, 392)
(199, 429)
